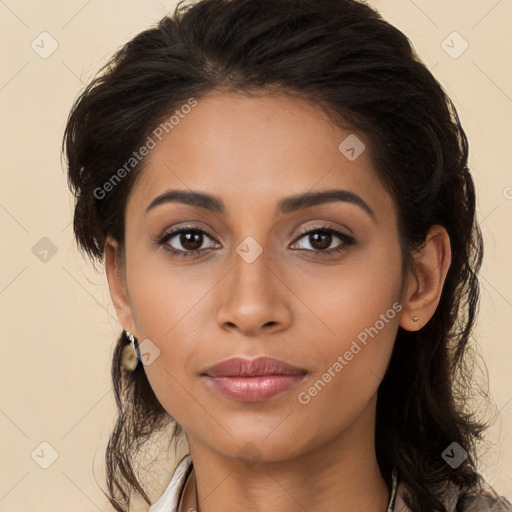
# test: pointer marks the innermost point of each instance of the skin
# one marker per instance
(291, 303)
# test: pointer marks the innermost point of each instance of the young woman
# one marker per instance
(280, 194)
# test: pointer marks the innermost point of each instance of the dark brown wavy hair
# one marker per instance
(343, 56)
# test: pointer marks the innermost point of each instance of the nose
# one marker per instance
(254, 299)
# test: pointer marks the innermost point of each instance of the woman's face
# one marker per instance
(253, 284)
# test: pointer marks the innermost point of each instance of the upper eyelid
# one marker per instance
(319, 227)
(173, 232)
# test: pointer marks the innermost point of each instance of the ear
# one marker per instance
(117, 285)
(424, 286)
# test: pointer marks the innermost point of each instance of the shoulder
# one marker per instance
(456, 501)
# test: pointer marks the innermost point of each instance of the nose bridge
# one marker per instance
(252, 280)
(252, 272)
(253, 296)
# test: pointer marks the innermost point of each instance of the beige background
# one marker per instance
(57, 322)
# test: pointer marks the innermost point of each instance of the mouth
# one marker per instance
(255, 380)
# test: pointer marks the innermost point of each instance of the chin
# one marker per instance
(255, 444)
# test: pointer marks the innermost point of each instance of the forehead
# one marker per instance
(257, 149)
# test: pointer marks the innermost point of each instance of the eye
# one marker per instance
(189, 241)
(186, 241)
(320, 239)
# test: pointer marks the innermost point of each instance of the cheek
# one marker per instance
(349, 368)
(356, 318)
(349, 363)
(167, 298)
(172, 307)
(345, 299)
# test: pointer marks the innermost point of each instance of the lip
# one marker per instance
(253, 380)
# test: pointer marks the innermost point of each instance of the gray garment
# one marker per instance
(454, 501)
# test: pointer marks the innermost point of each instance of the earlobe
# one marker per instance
(117, 284)
(425, 285)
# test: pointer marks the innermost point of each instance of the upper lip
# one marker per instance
(242, 367)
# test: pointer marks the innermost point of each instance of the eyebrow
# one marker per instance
(286, 205)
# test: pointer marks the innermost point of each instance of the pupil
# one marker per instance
(313, 239)
(185, 240)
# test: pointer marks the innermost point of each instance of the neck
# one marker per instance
(341, 475)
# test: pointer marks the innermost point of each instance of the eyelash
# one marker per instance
(346, 239)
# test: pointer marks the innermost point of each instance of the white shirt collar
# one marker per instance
(169, 500)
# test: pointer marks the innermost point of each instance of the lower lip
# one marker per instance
(254, 389)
